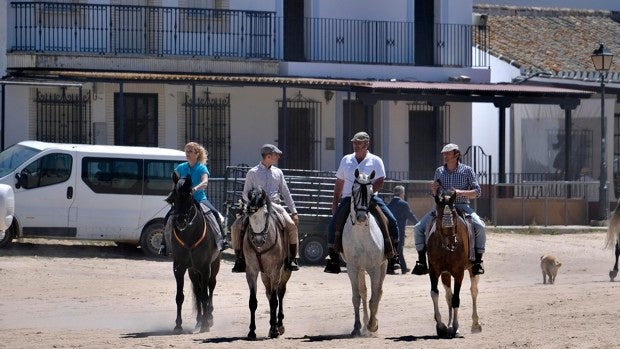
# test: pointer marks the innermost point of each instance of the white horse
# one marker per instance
(362, 244)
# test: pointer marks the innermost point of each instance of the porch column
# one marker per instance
(282, 140)
(568, 137)
(121, 114)
(501, 165)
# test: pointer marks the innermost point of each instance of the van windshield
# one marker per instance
(15, 156)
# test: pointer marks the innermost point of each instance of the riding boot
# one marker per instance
(420, 266)
(333, 263)
(477, 268)
(291, 261)
(338, 243)
(239, 266)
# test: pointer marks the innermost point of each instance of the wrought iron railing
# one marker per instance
(215, 33)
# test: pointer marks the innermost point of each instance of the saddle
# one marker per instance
(431, 227)
(341, 219)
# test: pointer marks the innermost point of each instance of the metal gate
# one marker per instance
(481, 163)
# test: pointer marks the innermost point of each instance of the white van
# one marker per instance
(89, 192)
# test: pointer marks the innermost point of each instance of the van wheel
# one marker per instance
(151, 239)
(7, 236)
(313, 250)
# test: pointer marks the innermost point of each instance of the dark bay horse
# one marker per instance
(363, 246)
(264, 247)
(613, 239)
(448, 255)
(193, 249)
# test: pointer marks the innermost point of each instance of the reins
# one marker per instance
(262, 233)
(448, 217)
(202, 236)
(360, 202)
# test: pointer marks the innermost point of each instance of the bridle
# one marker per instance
(360, 200)
(447, 220)
(184, 221)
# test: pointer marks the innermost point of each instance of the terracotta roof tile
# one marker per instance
(550, 39)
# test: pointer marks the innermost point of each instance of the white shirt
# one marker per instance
(349, 164)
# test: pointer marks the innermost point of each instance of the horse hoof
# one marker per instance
(442, 331)
(356, 333)
(612, 275)
(273, 333)
(476, 328)
(281, 329)
(373, 326)
(178, 330)
(251, 335)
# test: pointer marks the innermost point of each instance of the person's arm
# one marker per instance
(377, 184)
(288, 199)
(474, 190)
(247, 185)
(337, 193)
(204, 181)
(410, 215)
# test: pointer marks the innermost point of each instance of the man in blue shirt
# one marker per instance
(402, 212)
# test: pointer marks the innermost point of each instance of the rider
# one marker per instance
(196, 167)
(270, 178)
(453, 175)
(366, 162)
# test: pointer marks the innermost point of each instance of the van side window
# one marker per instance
(48, 170)
(158, 177)
(113, 175)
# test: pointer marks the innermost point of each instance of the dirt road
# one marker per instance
(71, 296)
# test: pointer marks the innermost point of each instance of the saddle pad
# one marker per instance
(431, 227)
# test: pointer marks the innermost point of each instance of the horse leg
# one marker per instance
(281, 293)
(179, 276)
(446, 281)
(376, 285)
(272, 295)
(440, 327)
(475, 324)
(253, 303)
(215, 268)
(355, 298)
(456, 303)
(363, 292)
(613, 273)
(199, 298)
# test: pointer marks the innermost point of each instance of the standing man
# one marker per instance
(270, 178)
(453, 175)
(365, 162)
(402, 211)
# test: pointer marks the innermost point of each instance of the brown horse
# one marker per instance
(448, 254)
(264, 247)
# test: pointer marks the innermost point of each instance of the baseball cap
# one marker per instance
(269, 148)
(449, 147)
(360, 136)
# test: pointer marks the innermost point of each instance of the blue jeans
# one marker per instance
(478, 225)
(346, 203)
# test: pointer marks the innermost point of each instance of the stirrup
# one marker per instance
(291, 264)
(419, 269)
(332, 267)
(239, 266)
(477, 268)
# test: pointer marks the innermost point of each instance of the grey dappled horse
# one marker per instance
(265, 250)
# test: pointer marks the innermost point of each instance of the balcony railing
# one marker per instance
(101, 29)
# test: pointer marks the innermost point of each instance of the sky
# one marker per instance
(612, 5)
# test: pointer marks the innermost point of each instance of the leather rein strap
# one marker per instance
(198, 242)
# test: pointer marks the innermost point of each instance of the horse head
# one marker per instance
(361, 195)
(258, 201)
(446, 213)
(182, 200)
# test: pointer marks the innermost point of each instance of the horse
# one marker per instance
(613, 237)
(194, 249)
(448, 255)
(264, 248)
(363, 251)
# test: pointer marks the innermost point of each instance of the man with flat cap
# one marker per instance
(366, 162)
(453, 175)
(270, 178)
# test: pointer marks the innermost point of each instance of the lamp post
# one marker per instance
(602, 58)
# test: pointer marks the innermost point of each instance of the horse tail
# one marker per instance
(612, 229)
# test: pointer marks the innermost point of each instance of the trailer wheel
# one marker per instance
(313, 250)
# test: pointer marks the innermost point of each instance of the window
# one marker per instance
(113, 176)
(48, 170)
(63, 118)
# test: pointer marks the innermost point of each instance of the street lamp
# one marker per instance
(602, 58)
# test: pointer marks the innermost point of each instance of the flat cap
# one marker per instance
(269, 148)
(360, 136)
(449, 147)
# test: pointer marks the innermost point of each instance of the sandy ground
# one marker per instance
(72, 296)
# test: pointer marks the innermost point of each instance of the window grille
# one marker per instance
(63, 118)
